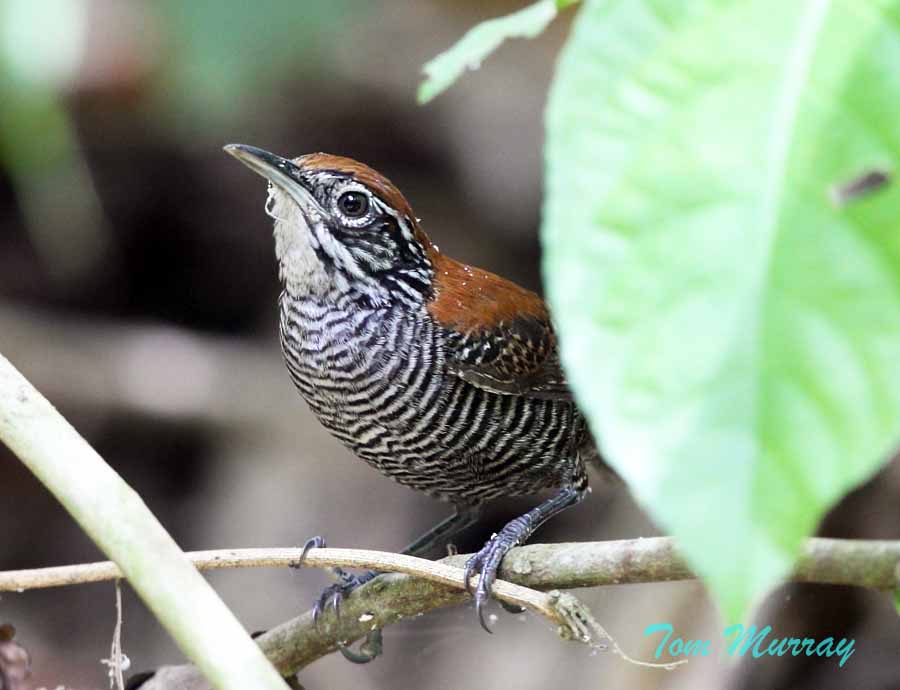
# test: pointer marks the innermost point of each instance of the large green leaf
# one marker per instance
(732, 332)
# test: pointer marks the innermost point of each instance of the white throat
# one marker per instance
(299, 269)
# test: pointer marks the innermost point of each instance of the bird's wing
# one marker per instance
(515, 358)
(499, 335)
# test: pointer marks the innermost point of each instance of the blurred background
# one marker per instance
(138, 292)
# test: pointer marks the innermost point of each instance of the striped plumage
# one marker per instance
(442, 376)
(378, 379)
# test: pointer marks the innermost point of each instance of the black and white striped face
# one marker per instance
(335, 233)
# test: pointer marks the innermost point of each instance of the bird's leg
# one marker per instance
(487, 561)
(463, 517)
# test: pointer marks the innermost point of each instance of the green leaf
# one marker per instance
(732, 332)
(897, 600)
(482, 40)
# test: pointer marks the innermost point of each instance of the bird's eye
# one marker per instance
(353, 204)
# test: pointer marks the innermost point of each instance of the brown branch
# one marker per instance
(864, 563)
(392, 597)
(572, 619)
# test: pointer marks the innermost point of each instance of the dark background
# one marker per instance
(138, 292)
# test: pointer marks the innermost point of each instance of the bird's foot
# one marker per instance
(487, 562)
(333, 596)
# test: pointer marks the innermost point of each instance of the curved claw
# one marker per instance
(480, 562)
(486, 562)
(369, 650)
(312, 543)
(336, 603)
(322, 603)
(479, 608)
(333, 595)
(471, 565)
(354, 657)
(329, 598)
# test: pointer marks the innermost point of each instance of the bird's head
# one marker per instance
(341, 228)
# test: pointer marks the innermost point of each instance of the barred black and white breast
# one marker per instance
(381, 380)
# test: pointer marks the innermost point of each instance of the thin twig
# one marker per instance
(582, 621)
(864, 563)
(117, 663)
(434, 571)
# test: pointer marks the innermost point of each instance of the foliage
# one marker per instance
(728, 305)
(481, 41)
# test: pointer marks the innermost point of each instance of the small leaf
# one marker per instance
(897, 600)
(482, 40)
(731, 333)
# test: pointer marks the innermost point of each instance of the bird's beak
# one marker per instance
(277, 170)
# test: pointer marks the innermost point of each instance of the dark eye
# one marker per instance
(353, 204)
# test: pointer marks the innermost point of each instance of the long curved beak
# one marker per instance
(277, 170)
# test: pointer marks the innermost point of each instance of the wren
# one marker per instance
(442, 376)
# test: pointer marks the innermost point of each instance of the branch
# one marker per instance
(119, 522)
(428, 585)
(859, 562)
(572, 618)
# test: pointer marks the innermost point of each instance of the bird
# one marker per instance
(442, 376)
